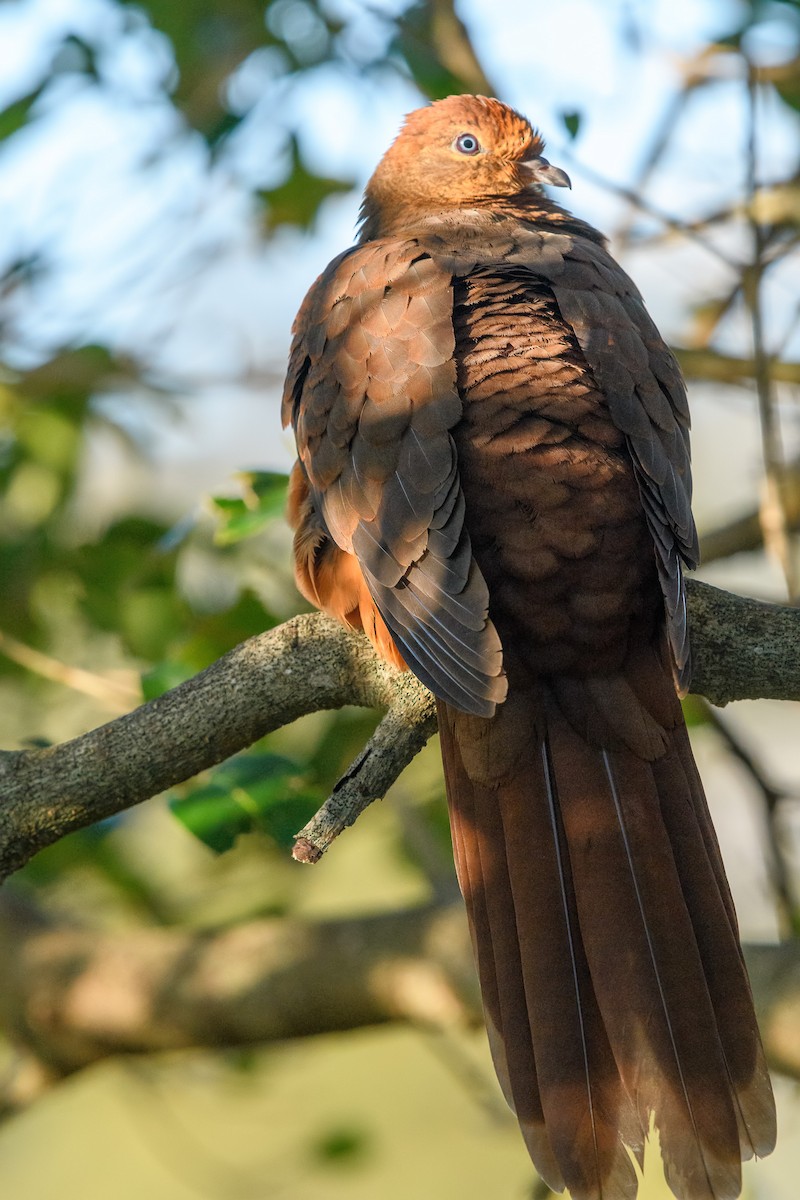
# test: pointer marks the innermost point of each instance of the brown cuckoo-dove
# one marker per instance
(493, 482)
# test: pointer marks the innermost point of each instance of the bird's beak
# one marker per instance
(544, 172)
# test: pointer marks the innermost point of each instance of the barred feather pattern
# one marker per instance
(494, 483)
(583, 784)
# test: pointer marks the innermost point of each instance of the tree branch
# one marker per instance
(742, 649)
(727, 368)
(745, 533)
(74, 995)
(308, 664)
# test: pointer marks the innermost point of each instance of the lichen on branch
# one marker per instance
(742, 649)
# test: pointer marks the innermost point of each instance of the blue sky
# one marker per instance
(120, 237)
(168, 262)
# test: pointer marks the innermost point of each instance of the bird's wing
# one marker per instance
(630, 363)
(647, 401)
(372, 394)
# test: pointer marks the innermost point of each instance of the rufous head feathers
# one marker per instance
(457, 151)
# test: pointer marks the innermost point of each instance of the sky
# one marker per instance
(119, 236)
(169, 263)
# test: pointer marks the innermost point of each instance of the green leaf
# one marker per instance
(163, 677)
(344, 1145)
(572, 122)
(263, 499)
(298, 200)
(16, 115)
(258, 791)
(695, 712)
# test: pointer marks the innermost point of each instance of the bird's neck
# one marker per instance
(386, 217)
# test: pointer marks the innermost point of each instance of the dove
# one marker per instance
(493, 482)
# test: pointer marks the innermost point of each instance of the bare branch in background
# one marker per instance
(694, 76)
(75, 995)
(745, 533)
(774, 516)
(687, 229)
(725, 368)
(112, 693)
(771, 796)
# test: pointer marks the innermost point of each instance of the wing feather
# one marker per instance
(372, 394)
(629, 361)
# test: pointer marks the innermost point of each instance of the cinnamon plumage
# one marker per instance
(494, 483)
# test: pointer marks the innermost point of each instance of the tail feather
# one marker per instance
(580, 1042)
(645, 964)
(696, 1150)
(688, 823)
(497, 955)
(513, 864)
(607, 950)
(699, 804)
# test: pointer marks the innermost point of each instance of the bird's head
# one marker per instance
(462, 150)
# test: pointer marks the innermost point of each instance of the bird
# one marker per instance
(493, 482)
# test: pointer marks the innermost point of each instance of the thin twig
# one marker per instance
(742, 649)
(771, 796)
(658, 146)
(399, 737)
(684, 228)
(116, 696)
(774, 517)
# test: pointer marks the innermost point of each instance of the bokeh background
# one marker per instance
(173, 175)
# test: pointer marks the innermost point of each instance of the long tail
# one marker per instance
(606, 944)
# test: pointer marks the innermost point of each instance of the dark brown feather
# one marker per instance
(494, 452)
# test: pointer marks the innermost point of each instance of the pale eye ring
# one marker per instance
(467, 143)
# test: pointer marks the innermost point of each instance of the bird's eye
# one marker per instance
(467, 143)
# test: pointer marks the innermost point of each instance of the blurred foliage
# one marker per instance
(123, 583)
(251, 792)
(115, 594)
(297, 200)
(45, 415)
(264, 498)
(210, 40)
(64, 589)
(434, 43)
